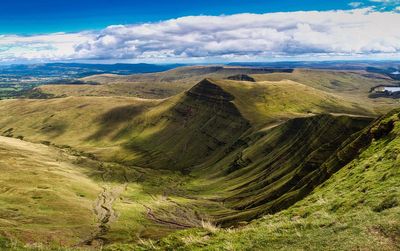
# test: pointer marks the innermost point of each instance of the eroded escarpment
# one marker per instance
(272, 170)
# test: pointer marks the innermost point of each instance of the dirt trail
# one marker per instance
(105, 214)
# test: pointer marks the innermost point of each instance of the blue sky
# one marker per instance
(180, 31)
(44, 16)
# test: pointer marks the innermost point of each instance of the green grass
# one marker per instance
(43, 197)
(354, 85)
(222, 153)
(48, 195)
(141, 128)
(268, 171)
(277, 101)
(349, 85)
(356, 209)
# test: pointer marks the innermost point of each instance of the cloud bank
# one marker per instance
(355, 33)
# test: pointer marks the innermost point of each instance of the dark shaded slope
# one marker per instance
(271, 170)
(357, 208)
(200, 125)
(209, 91)
(355, 144)
(298, 156)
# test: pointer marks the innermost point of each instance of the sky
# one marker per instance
(163, 31)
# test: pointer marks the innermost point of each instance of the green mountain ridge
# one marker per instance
(282, 166)
(356, 208)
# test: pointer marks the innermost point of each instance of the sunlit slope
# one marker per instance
(70, 121)
(352, 85)
(43, 196)
(268, 101)
(330, 80)
(127, 89)
(357, 208)
(355, 85)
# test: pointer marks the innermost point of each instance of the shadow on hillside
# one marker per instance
(55, 129)
(110, 120)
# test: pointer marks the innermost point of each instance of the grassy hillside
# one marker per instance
(69, 121)
(270, 170)
(58, 198)
(330, 80)
(119, 88)
(358, 208)
(267, 101)
(152, 203)
(184, 74)
(44, 197)
(354, 85)
(223, 153)
(151, 132)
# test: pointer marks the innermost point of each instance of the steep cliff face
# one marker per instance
(356, 207)
(280, 168)
(270, 170)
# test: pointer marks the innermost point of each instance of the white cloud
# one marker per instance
(386, 4)
(386, 1)
(355, 33)
(355, 4)
(56, 46)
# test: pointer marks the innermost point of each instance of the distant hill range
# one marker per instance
(388, 68)
(17, 80)
(77, 70)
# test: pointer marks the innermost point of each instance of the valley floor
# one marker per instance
(60, 198)
(87, 204)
